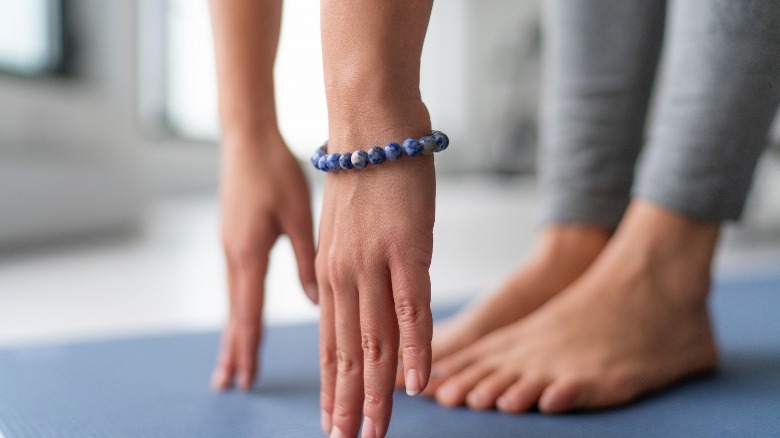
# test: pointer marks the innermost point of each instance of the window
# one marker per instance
(190, 91)
(29, 36)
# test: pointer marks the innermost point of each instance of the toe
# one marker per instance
(563, 395)
(484, 395)
(447, 368)
(522, 395)
(454, 390)
(442, 370)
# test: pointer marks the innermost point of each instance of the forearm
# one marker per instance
(246, 36)
(376, 229)
(371, 57)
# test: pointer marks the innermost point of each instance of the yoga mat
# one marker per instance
(158, 387)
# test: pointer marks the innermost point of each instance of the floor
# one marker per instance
(169, 276)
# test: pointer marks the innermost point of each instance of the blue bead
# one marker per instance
(323, 163)
(441, 139)
(428, 145)
(333, 161)
(345, 161)
(359, 159)
(412, 147)
(376, 155)
(315, 159)
(393, 151)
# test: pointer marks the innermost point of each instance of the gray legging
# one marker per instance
(717, 87)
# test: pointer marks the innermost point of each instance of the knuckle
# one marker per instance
(240, 254)
(343, 415)
(412, 350)
(347, 363)
(326, 401)
(395, 242)
(407, 311)
(373, 402)
(327, 358)
(374, 349)
(405, 250)
(338, 272)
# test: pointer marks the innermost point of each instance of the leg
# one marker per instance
(637, 320)
(600, 64)
(634, 322)
(719, 92)
(598, 83)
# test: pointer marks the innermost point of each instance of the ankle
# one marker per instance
(675, 250)
(577, 244)
(664, 233)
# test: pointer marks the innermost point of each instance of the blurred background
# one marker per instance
(109, 158)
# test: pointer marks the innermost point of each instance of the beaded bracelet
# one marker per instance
(436, 142)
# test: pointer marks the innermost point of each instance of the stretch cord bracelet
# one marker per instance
(412, 147)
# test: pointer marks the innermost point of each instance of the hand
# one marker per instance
(264, 195)
(376, 239)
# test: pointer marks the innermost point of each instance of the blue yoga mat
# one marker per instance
(157, 387)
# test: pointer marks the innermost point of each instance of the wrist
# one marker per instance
(251, 139)
(369, 123)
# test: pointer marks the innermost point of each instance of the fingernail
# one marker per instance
(369, 429)
(337, 433)
(436, 373)
(312, 292)
(325, 421)
(412, 382)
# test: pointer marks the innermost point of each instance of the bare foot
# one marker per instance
(562, 254)
(635, 322)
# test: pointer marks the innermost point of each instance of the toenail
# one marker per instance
(548, 402)
(447, 392)
(476, 397)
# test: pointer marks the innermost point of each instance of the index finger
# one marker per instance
(412, 294)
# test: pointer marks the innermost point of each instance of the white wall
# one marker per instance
(73, 157)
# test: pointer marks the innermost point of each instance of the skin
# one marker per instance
(260, 202)
(595, 336)
(563, 252)
(376, 232)
(635, 322)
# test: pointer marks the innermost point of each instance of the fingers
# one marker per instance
(248, 311)
(348, 401)
(222, 377)
(239, 355)
(300, 232)
(327, 357)
(379, 332)
(412, 294)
